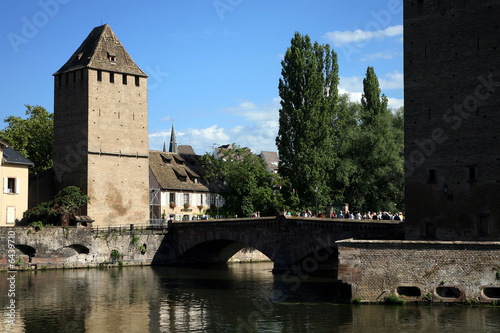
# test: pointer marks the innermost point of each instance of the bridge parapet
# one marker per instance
(285, 240)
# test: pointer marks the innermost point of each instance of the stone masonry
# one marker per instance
(452, 98)
(442, 271)
(101, 130)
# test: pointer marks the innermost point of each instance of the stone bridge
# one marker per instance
(292, 243)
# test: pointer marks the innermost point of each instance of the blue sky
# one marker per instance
(213, 65)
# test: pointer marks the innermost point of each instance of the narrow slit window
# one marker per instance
(99, 75)
(124, 80)
(112, 77)
(431, 176)
(472, 174)
(137, 81)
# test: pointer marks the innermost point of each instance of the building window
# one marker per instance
(99, 75)
(124, 79)
(112, 77)
(172, 197)
(211, 199)
(430, 231)
(431, 176)
(165, 160)
(11, 214)
(185, 198)
(472, 174)
(199, 200)
(483, 225)
(10, 185)
(111, 57)
(137, 81)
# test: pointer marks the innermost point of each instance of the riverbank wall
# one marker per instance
(57, 247)
(431, 271)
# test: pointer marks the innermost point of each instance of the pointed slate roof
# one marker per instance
(173, 141)
(97, 49)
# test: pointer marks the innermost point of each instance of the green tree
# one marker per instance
(309, 94)
(32, 137)
(376, 179)
(251, 186)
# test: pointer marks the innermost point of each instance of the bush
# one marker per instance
(394, 299)
(115, 255)
(59, 211)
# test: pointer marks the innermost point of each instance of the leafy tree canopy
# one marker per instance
(250, 182)
(32, 137)
(309, 93)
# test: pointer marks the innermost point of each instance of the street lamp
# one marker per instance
(316, 190)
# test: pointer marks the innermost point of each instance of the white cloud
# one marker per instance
(256, 130)
(345, 37)
(392, 80)
(354, 86)
(388, 54)
(352, 83)
(395, 103)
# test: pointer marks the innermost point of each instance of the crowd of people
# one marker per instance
(378, 216)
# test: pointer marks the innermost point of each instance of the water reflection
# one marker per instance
(239, 297)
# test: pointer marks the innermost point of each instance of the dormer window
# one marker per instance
(166, 160)
(112, 57)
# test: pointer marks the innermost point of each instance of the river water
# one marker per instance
(233, 298)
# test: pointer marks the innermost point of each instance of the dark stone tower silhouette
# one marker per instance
(452, 119)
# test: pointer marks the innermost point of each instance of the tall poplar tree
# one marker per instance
(377, 182)
(309, 94)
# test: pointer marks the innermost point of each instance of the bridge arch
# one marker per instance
(213, 251)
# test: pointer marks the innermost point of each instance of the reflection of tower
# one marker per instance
(101, 129)
(452, 98)
(173, 141)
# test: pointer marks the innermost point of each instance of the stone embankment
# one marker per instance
(58, 247)
(429, 271)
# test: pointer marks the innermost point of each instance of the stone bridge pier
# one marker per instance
(294, 244)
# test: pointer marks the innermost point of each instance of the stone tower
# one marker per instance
(101, 129)
(452, 119)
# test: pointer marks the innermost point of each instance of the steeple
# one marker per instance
(173, 141)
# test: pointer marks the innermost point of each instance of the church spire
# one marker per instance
(173, 141)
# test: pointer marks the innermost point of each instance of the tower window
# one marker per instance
(124, 79)
(112, 57)
(431, 176)
(483, 225)
(112, 77)
(99, 75)
(137, 81)
(472, 174)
